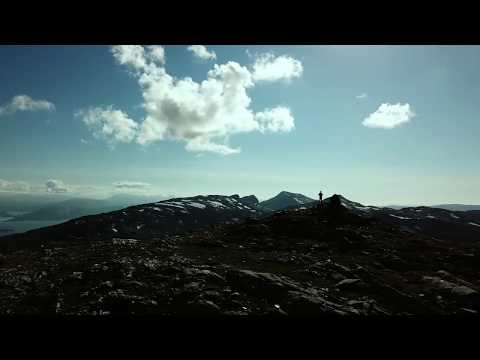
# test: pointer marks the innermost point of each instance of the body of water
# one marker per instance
(22, 226)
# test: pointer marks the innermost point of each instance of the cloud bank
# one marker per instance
(130, 185)
(14, 186)
(389, 116)
(203, 114)
(201, 52)
(55, 186)
(26, 103)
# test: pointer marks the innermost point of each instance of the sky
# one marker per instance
(380, 125)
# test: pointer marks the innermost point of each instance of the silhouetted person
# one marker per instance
(320, 197)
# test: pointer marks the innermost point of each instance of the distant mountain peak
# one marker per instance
(251, 200)
(285, 199)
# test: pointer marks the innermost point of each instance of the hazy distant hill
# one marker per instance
(457, 207)
(27, 202)
(77, 207)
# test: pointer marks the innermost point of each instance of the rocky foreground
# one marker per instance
(293, 263)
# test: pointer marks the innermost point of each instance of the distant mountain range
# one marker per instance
(185, 214)
(452, 207)
(457, 207)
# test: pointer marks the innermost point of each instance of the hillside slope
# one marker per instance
(296, 263)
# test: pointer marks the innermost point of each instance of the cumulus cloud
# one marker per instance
(26, 103)
(130, 185)
(269, 68)
(202, 114)
(132, 55)
(275, 120)
(108, 123)
(361, 96)
(201, 52)
(389, 116)
(55, 186)
(14, 186)
(157, 53)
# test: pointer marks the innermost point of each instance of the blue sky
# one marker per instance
(378, 124)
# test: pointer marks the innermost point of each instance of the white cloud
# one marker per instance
(130, 185)
(132, 55)
(389, 116)
(275, 120)
(201, 52)
(110, 124)
(26, 103)
(205, 145)
(55, 186)
(269, 68)
(361, 96)
(14, 186)
(83, 141)
(157, 53)
(203, 114)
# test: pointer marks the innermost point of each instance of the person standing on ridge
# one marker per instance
(320, 196)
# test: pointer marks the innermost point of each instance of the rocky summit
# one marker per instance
(300, 262)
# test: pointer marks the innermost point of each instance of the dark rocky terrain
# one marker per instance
(435, 222)
(299, 262)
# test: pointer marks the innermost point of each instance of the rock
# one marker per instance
(262, 284)
(77, 275)
(302, 304)
(455, 289)
(337, 276)
(235, 313)
(468, 311)
(213, 276)
(210, 305)
(348, 283)
(463, 290)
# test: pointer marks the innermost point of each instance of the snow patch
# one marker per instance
(230, 201)
(454, 216)
(346, 205)
(431, 217)
(400, 217)
(474, 224)
(216, 204)
(174, 204)
(197, 205)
